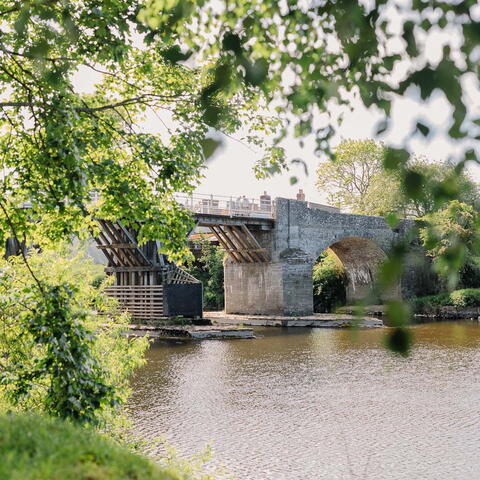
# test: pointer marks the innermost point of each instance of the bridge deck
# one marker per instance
(209, 219)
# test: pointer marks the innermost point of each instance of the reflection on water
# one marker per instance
(320, 404)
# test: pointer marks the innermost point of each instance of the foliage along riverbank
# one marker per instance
(69, 363)
(463, 303)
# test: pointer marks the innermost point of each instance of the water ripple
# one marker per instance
(320, 404)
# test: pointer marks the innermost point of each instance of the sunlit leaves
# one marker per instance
(54, 356)
(271, 163)
(450, 236)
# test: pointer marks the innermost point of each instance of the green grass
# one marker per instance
(39, 448)
(468, 297)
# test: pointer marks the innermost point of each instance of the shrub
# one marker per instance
(430, 302)
(470, 273)
(209, 270)
(469, 297)
(329, 283)
(63, 347)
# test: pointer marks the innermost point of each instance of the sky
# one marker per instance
(230, 171)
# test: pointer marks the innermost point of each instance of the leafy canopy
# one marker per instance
(59, 144)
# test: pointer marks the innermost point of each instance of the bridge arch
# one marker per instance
(361, 258)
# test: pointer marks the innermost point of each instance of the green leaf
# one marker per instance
(399, 340)
(209, 146)
(231, 42)
(22, 21)
(395, 158)
(397, 312)
(255, 74)
(424, 130)
(392, 220)
(174, 54)
(409, 37)
(414, 183)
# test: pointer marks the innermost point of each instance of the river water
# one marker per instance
(320, 404)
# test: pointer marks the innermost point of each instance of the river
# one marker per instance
(320, 404)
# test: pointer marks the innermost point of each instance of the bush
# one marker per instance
(33, 447)
(470, 273)
(329, 283)
(469, 297)
(63, 347)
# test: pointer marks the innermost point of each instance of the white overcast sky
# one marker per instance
(230, 171)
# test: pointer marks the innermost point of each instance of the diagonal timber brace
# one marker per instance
(240, 243)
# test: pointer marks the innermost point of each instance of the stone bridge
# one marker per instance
(269, 267)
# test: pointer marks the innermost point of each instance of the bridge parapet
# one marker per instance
(219, 205)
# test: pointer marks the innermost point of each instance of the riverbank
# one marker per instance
(37, 447)
(459, 304)
(450, 313)
(318, 320)
(422, 311)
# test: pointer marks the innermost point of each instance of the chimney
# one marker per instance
(300, 195)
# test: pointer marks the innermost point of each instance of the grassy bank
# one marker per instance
(40, 448)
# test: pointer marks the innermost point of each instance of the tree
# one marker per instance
(435, 177)
(209, 270)
(329, 283)
(357, 181)
(55, 355)
(350, 177)
(60, 145)
(451, 237)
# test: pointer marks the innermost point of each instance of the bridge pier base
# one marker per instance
(274, 288)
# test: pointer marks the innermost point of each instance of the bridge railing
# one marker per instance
(262, 207)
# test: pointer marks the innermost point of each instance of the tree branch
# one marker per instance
(110, 106)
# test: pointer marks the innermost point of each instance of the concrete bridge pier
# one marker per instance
(275, 288)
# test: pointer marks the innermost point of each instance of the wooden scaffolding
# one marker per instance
(144, 280)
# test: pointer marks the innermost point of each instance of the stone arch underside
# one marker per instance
(361, 259)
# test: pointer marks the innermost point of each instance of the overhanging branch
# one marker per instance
(110, 106)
